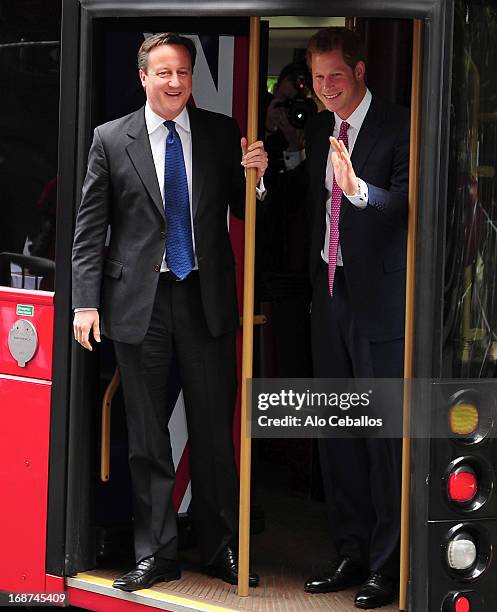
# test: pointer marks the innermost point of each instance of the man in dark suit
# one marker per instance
(359, 192)
(163, 178)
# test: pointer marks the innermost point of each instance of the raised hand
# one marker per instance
(342, 167)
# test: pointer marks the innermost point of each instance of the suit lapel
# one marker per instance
(140, 154)
(200, 157)
(368, 135)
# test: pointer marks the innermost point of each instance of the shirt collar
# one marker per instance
(153, 121)
(356, 119)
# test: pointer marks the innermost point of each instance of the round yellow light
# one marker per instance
(463, 418)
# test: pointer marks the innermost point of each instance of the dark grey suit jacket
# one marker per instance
(121, 190)
(373, 240)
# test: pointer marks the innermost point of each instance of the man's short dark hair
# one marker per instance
(164, 38)
(330, 39)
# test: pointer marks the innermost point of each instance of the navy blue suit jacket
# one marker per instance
(372, 240)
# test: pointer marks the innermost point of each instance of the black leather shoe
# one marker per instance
(343, 574)
(226, 568)
(147, 572)
(377, 591)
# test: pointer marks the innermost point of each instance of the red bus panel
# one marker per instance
(24, 435)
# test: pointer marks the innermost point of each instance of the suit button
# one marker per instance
(163, 234)
(157, 268)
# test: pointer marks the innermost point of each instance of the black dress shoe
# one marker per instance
(147, 572)
(343, 574)
(226, 568)
(378, 590)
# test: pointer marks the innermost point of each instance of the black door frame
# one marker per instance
(78, 22)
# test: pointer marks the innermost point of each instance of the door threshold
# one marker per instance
(279, 591)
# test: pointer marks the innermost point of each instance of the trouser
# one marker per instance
(207, 368)
(361, 477)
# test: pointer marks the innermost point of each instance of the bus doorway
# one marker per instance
(100, 512)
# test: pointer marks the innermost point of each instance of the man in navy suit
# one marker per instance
(357, 155)
(163, 178)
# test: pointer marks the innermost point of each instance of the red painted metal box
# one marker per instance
(25, 395)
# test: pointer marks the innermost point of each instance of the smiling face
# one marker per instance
(168, 80)
(339, 87)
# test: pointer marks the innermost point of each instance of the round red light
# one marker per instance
(463, 485)
(462, 604)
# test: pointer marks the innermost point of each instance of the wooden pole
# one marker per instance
(105, 430)
(248, 316)
(417, 55)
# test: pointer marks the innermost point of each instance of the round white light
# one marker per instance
(461, 552)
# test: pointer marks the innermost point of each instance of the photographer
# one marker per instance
(286, 117)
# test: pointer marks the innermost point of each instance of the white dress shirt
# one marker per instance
(360, 198)
(157, 134)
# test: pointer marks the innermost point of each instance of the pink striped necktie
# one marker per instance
(336, 198)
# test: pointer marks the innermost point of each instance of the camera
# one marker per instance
(300, 108)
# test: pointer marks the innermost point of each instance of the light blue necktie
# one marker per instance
(179, 247)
